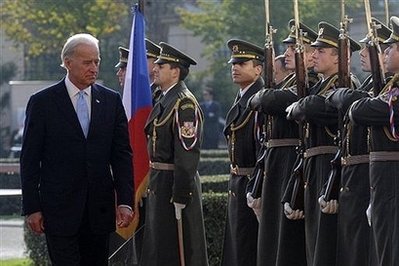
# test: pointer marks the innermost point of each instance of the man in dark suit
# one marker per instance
(76, 161)
(211, 111)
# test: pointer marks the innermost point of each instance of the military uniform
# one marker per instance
(321, 127)
(384, 162)
(174, 130)
(242, 130)
(354, 232)
(280, 241)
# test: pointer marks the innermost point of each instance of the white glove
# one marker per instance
(329, 207)
(291, 214)
(289, 109)
(178, 209)
(255, 205)
(368, 214)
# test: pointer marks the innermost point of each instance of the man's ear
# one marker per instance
(176, 72)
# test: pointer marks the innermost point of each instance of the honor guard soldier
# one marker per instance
(121, 65)
(321, 127)
(152, 52)
(174, 231)
(380, 113)
(353, 242)
(242, 130)
(281, 241)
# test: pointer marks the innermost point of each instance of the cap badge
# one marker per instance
(235, 48)
(321, 30)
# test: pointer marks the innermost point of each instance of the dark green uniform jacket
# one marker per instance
(174, 135)
(242, 131)
(384, 172)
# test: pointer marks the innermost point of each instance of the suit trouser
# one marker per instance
(83, 248)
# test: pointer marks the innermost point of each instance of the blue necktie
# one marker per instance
(83, 112)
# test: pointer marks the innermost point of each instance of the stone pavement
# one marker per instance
(12, 244)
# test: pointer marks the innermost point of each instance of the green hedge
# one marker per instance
(214, 206)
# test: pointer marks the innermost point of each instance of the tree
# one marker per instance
(42, 27)
(220, 20)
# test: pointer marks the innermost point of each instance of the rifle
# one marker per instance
(297, 196)
(377, 72)
(344, 81)
(258, 173)
(269, 50)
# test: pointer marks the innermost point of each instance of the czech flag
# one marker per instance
(137, 100)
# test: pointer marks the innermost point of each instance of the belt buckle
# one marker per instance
(234, 169)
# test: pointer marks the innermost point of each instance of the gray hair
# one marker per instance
(74, 41)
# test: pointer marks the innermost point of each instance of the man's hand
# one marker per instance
(291, 214)
(255, 205)
(329, 207)
(35, 222)
(178, 209)
(124, 216)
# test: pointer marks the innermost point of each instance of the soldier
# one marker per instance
(242, 131)
(280, 70)
(121, 65)
(381, 115)
(152, 51)
(281, 241)
(353, 241)
(174, 191)
(321, 125)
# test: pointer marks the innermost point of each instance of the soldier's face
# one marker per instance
(150, 66)
(365, 59)
(325, 61)
(391, 59)
(83, 65)
(290, 57)
(165, 76)
(245, 73)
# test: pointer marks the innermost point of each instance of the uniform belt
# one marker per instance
(241, 170)
(320, 150)
(381, 156)
(355, 159)
(162, 166)
(271, 143)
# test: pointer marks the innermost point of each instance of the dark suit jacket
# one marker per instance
(63, 173)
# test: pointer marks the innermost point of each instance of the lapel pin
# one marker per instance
(97, 101)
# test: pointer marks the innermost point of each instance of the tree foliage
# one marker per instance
(43, 25)
(217, 21)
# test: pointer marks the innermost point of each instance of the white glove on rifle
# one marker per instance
(368, 214)
(329, 207)
(289, 109)
(255, 205)
(178, 209)
(291, 214)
